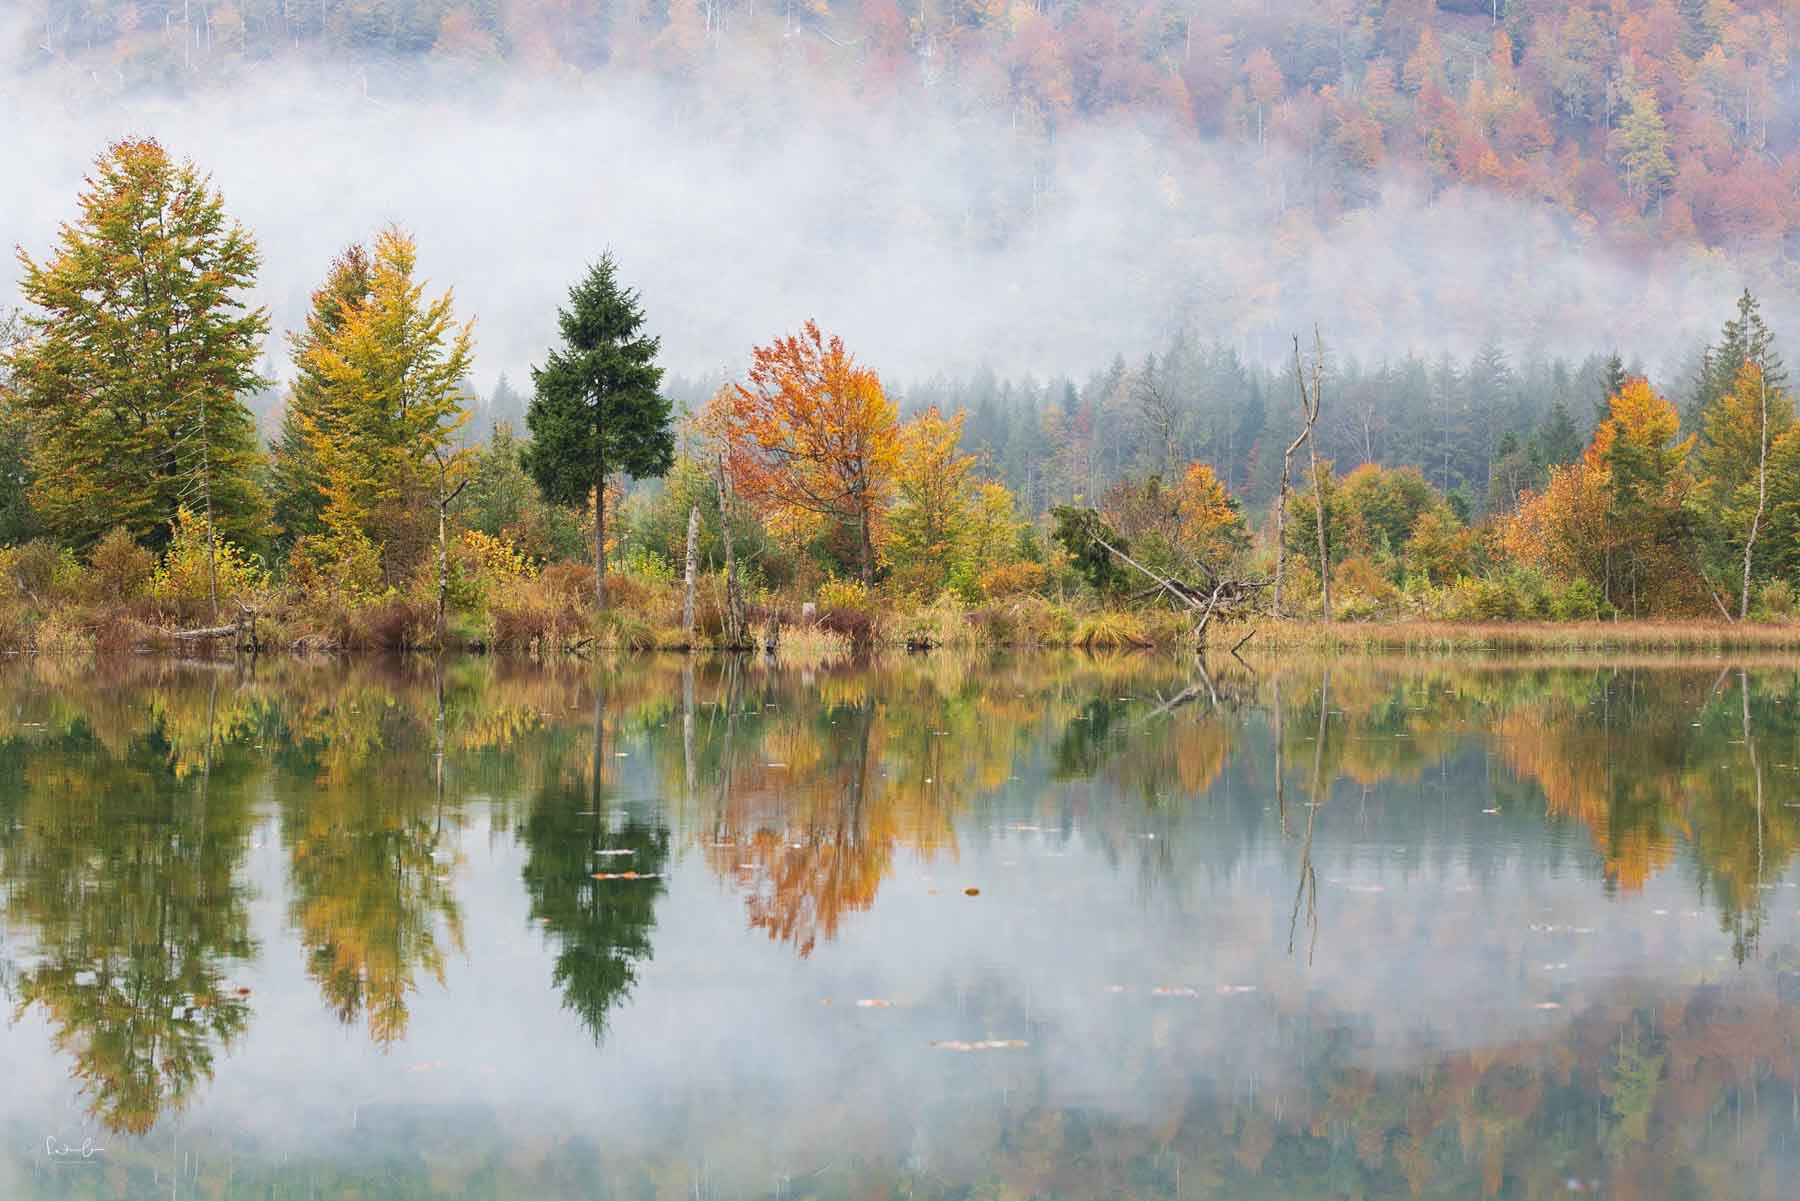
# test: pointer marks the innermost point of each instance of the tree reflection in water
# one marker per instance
(131, 799)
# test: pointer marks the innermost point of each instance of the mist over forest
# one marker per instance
(1027, 187)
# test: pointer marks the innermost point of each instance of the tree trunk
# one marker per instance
(212, 564)
(1762, 500)
(867, 543)
(443, 562)
(1281, 498)
(600, 542)
(1309, 413)
(734, 600)
(446, 497)
(1324, 556)
(693, 547)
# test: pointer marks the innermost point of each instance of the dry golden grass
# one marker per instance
(1442, 636)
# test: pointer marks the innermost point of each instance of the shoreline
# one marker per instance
(1264, 638)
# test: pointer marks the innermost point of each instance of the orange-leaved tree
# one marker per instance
(1615, 516)
(812, 434)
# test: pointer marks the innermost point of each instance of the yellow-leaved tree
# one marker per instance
(934, 505)
(383, 428)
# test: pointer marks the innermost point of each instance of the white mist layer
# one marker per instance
(930, 238)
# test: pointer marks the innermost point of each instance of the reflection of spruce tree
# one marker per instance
(601, 927)
(126, 875)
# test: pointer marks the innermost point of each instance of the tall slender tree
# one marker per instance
(596, 408)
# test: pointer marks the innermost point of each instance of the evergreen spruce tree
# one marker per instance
(596, 408)
(137, 356)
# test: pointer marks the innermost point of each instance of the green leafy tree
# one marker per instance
(16, 525)
(1081, 532)
(596, 408)
(137, 353)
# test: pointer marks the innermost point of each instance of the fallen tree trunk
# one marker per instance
(209, 632)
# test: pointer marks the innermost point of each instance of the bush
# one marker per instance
(182, 583)
(1578, 600)
(118, 568)
(852, 595)
(39, 570)
(1013, 579)
(646, 565)
(547, 612)
(337, 571)
(1776, 599)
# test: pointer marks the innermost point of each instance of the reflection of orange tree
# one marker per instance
(821, 783)
(1629, 762)
(813, 844)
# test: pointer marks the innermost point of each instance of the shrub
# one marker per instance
(1361, 589)
(642, 564)
(1776, 599)
(182, 583)
(118, 568)
(338, 570)
(850, 595)
(39, 570)
(1578, 600)
(546, 612)
(1013, 579)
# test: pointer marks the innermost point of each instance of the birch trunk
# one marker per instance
(693, 547)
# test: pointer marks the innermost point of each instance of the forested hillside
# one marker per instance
(1656, 119)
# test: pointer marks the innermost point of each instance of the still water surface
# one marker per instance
(936, 928)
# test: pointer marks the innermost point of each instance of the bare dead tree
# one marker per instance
(1309, 413)
(736, 635)
(1309, 406)
(1156, 400)
(687, 600)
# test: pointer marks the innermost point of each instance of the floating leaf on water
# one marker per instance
(627, 875)
(971, 892)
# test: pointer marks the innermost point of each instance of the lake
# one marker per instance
(934, 927)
